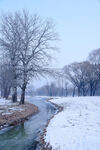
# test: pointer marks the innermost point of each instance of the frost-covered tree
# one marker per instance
(28, 42)
(10, 44)
(94, 70)
(36, 51)
(5, 79)
(75, 73)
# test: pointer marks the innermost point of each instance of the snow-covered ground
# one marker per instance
(7, 107)
(5, 102)
(77, 127)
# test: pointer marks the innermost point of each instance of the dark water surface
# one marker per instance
(24, 136)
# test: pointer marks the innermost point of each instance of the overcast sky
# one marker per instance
(77, 22)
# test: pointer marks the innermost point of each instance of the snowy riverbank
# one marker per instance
(77, 127)
(13, 113)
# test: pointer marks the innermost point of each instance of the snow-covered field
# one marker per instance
(77, 127)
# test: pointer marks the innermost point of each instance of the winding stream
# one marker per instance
(24, 136)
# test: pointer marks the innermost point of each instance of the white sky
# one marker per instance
(77, 23)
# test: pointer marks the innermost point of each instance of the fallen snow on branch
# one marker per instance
(77, 127)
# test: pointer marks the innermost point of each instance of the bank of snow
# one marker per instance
(77, 127)
(13, 113)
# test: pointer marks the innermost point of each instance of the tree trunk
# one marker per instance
(22, 101)
(66, 92)
(73, 92)
(95, 88)
(14, 95)
(14, 88)
(83, 91)
(94, 92)
(2, 92)
(91, 90)
(5, 93)
(79, 91)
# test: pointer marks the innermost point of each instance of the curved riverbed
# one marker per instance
(24, 136)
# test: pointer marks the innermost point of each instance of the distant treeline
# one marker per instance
(78, 78)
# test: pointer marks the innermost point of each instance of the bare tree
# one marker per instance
(75, 73)
(10, 40)
(94, 56)
(28, 43)
(94, 70)
(92, 78)
(5, 79)
(36, 48)
(66, 88)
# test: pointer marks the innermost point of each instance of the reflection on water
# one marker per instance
(23, 136)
